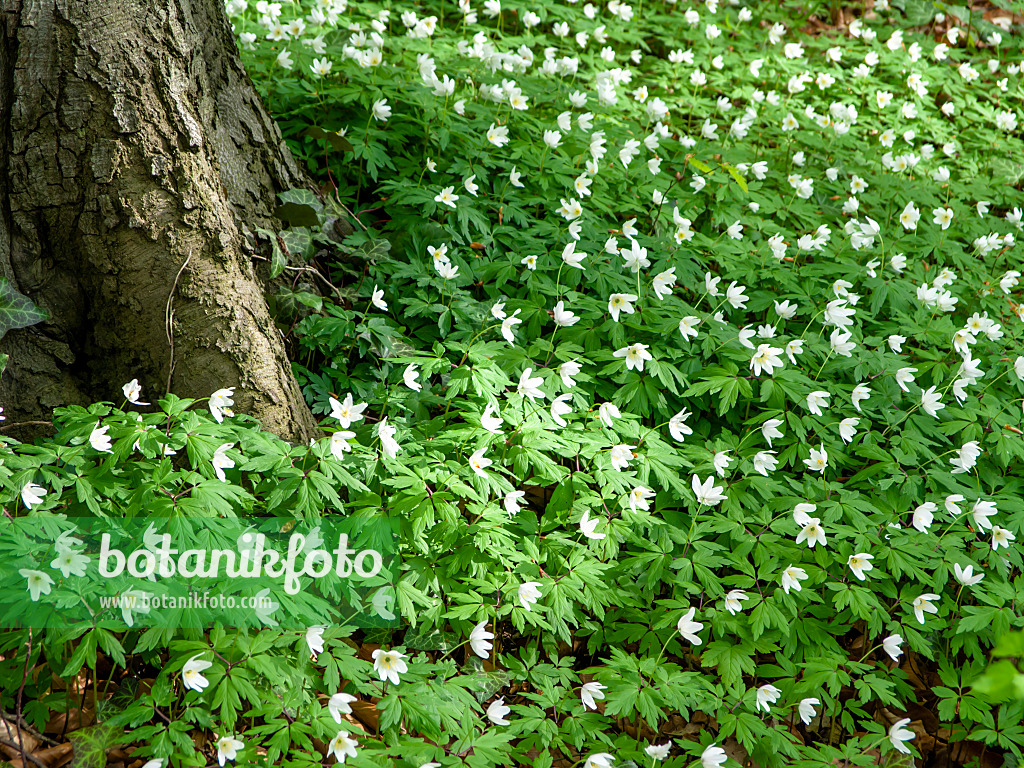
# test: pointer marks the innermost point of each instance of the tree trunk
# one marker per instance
(136, 160)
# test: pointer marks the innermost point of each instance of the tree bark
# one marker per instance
(136, 160)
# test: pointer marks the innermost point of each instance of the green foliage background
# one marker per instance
(612, 593)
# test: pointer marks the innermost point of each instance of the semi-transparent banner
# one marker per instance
(178, 572)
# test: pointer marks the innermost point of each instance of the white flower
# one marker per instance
(342, 746)
(765, 462)
(599, 760)
(377, 299)
(588, 526)
(891, 645)
(227, 749)
(563, 317)
(839, 313)
(32, 494)
(386, 433)
(688, 628)
(966, 575)
(315, 639)
(498, 135)
(507, 325)
(321, 67)
(511, 502)
(767, 359)
(841, 343)
(447, 197)
(943, 216)
(656, 751)
(480, 640)
(721, 462)
(68, 561)
(621, 455)
(931, 402)
(923, 604)
(99, 440)
(567, 370)
(591, 693)
(708, 494)
(478, 463)
(898, 734)
(621, 302)
(806, 709)
(923, 516)
(1001, 537)
(132, 392)
(770, 430)
(951, 502)
(192, 673)
(859, 564)
(910, 216)
(635, 355)
(560, 407)
(688, 326)
(497, 710)
(638, 498)
(528, 387)
(816, 401)
(785, 310)
(573, 259)
(490, 422)
(791, 578)
(677, 426)
(347, 411)
(713, 757)
(848, 428)
(338, 705)
(981, 512)
(381, 110)
(37, 583)
(220, 461)
(810, 531)
(766, 696)
(528, 594)
(663, 283)
(340, 443)
(134, 601)
(735, 296)
(734, 601)
(860, 393)
(389, 665)
(905, 376)
(818, 461)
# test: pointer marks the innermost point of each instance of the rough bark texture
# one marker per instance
(133, 147)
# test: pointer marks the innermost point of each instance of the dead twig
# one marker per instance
(169, 318)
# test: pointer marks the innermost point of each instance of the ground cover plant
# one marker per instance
(684, 343)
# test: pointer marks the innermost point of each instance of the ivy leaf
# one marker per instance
(298, 214)
(16, 310)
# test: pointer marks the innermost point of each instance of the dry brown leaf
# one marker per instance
(366, 712)
(11, 734)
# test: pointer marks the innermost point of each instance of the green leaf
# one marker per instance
(16, 310)
(336, 140)
(702, 167)
(736, 175)
(298, 215)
